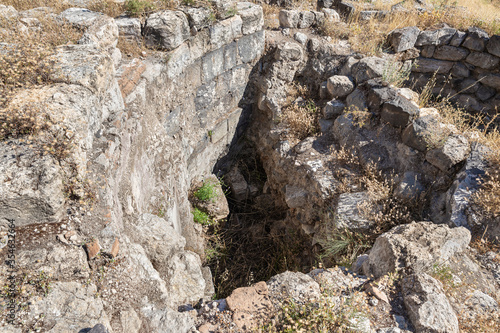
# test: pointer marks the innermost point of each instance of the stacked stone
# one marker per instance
(466, 64)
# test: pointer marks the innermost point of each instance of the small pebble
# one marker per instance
(373, 301)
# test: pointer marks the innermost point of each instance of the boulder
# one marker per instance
(339, 86)
(79, 17)
(455, 149)
(427, 305)
(289, 18)
(450, 53)
(250, 305)
(298, 286)
(476, 39)
(224, 8)
(415, 246)
(103, 32)
(479, 301)
(403, 39)
(252, 17)
(483, 60)
(399, 111)
(368, 68)
(435, 37)
(377, 95)
(301, 38)
(166, 29)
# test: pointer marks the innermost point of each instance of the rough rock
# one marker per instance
(416, 246)
(493, 45)
(99, 328)
(458, 39)
(336, 279)
(70, 306)
(476, 39)
(491, 80)
(483, 60)
(399, 111)
(199, 17)
(479, 301)
(333, 109)
(217, 206)
(427, 305)
(166, 29)
(435, 37)
(424, 65)
(93, 248)
(250, 304)
(349, 212)
(331, 15)
(450, 53)
(79, 17)
(103, 32)
(409, 187)
(129, 27)
(252, 17)
(403, 39)
(455, 149)
(424, 131)
(300, 37)
(289, 18)
(166, 320)
(238, 184)
(339, 86)
(31, 186)
(295, 285)
(295, 196)
(306, 20)
(368, 68)
(356, 100)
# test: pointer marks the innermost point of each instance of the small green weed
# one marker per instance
(344, 246)
(138, 7)
(443, 273)
(201, 217)
(231, 12)
(208, 191)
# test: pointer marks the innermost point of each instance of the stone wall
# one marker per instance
(465, 64)
(143, 130)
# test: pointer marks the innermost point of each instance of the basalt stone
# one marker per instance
(451, 53)
(333, 109)
(493, 45)
(491, 80)
(378, 95)
(484, 93)
(340, 86)
(423, 65)
(460, 70)
(483, 60)
(368, 68)
(468, 86)
(398, 111)
(403, 39)
(420, 132)
(435, 37)
(476, 39)
(428, 51)
(458, 38)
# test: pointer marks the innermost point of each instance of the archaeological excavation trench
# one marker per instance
(228, 155)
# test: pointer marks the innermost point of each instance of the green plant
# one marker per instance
(208, 191)
(188, 2)
(201, 217)
(138, 7)
(231, 12)
(444, 274)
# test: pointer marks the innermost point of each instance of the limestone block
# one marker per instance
(339, 86)
(403, 39)
(416, 246)
(166, 29)
(212, 65)
(300, 37)
(129, 27)
(79, 17)
(455, 150)
(289, 18)
(368, 68)
(252, 17)
(427, 305)
(298, 286)
(306, 20)
(103, 32)
(251, 47)
(199, 17)
(331, 15)
(424, 131)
